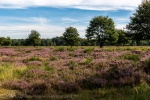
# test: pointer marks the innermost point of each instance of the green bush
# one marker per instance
(32, 59)
(53, 58)
(88, 50)
(87, 61)
(132, 57)
(72, 64)
(60, 49)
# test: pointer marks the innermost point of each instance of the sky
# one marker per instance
(51, 17)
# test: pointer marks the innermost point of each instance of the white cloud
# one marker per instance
(46, 31)
(80, 4)
(69, 19)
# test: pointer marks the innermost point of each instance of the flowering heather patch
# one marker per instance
(16, 85)
(57, 70)
(7, 59)
(8, 52)
(34, 63)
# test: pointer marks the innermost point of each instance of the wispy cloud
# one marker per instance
(80, 4)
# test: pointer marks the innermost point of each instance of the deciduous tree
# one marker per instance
(102, 29)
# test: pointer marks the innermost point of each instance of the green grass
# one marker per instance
(9, 71)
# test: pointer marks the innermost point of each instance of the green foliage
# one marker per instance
(71, 54)
(32, 59)
(71, 36)
(133, 57)
(146, 66)
(53, 58)
(102, 29)
(34, 38)
(122, 38)
(9, 71)
(71, 49)
(5, 41)
(60, 49)
(72, 64)
(87, 61)
(88, 50)
(140, 23)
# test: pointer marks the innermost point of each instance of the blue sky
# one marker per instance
(50, 18)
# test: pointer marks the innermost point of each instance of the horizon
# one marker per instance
(50, 18)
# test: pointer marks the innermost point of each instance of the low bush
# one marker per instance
(133, 57)
(37, 87)
(60, 49)
(72, 64)
(53, 58)
(67, 87)
(88, 50)
(87, 61)
(32, 59)
(123, 76)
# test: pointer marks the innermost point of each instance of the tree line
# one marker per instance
(101, 31)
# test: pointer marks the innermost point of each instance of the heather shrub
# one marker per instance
(32, 59)
(60, 49)
(133, 57)
(48, 68)
(34, 63)
(37, 87)
(53, 58)
(87, 61)
(36, 73)
(88, 50)
(71, 54)
(67, 87)
(72, 64)
(28, 51)
(71, 49)
(123, 76)
(19, 96)
(146, 66)
(16, 85)
(93, 82)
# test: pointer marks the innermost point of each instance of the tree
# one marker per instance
(58, 41)
(140, 23)
(102, 29)
(71, 36)
(5, 41)
(122, 37)
(33, 38)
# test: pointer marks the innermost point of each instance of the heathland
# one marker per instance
(78, 73)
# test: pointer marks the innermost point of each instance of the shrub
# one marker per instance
(87, 61)
(38, 87)
(72, 64)
(61, 49)
(71, 49)
(146, 66)
(53, 58)
(71, 54)
(88, 50)
(16, 85)
(132, 57)
(93, 83)
(123, 76)
(32, 59)
(68, 87)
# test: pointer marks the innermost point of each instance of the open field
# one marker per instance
(78, 73)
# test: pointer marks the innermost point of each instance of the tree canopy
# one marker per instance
(71, 36)
(139, 25)
(102, 29)
(34, 38)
